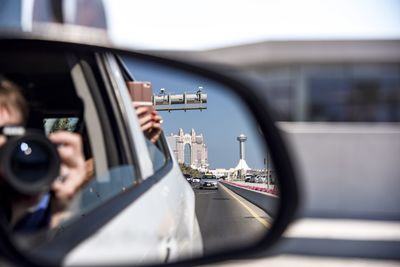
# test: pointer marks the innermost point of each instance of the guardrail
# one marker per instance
(271, 189)
(265, 201)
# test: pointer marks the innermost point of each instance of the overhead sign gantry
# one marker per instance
(180, 101)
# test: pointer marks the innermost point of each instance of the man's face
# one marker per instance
(9, 116)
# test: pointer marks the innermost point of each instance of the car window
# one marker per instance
(156, 154)
(67, 94)
(157, 148)
(110, 178)
(209, 177)
(106, 186)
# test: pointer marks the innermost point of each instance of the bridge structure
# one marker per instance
(164, 101)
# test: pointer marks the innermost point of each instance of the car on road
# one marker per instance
(209, 182)
(188, 178)
(261, 179)
(196, 180)
(248, 178)
(254, 179)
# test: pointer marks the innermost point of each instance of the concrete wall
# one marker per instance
(347, 170)
(266, 202)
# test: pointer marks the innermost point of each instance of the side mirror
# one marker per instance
(217, 183)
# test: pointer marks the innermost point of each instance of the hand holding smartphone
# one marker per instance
(149, 119)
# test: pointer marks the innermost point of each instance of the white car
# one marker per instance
(196, 180)
(209, 181)
(138, 192)
(261, 179)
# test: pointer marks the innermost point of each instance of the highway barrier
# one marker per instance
(265, 201)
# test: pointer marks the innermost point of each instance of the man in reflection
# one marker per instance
(27, 213)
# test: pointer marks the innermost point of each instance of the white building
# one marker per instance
(190, 149)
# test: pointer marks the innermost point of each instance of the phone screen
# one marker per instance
(60, 124)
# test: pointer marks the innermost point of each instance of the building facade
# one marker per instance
(189, 149)
(322, 81)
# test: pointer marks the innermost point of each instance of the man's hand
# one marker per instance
(72, 171)
(149, 121)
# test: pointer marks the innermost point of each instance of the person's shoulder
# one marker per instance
(38, 217)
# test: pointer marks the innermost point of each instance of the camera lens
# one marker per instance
(30, 161)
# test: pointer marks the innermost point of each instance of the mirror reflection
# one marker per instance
(113, 159)
(220, 151)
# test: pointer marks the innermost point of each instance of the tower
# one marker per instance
(242, 166)
(241, 138)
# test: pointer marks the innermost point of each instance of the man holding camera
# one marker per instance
(29, 212)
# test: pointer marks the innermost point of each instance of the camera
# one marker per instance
(29, 161)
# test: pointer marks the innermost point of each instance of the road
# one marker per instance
(226, 219)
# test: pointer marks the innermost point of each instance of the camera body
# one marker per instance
(29, 161)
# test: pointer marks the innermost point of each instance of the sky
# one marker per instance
(225, 118)
(207, 24)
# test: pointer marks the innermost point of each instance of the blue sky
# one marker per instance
(225, 118)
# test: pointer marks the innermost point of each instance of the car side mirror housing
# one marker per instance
(219, 162)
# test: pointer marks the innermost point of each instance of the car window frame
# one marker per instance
(129, 124)
(101, 214)
(78, 66)
(66, 239)
(161, 143)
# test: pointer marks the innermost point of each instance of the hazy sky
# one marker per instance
(185, 24)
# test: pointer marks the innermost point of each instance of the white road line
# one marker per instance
(264, 222)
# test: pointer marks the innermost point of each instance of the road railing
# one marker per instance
(261, 197)
(257, 187)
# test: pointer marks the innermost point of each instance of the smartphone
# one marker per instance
(141, 92)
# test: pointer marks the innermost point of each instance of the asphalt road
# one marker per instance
(228, 220)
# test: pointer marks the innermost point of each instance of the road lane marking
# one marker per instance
(250, 210)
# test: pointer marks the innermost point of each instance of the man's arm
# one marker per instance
(73, 173)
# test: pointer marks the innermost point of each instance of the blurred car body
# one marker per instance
(113, 139)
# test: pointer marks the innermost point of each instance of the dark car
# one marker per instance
(188, 178)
